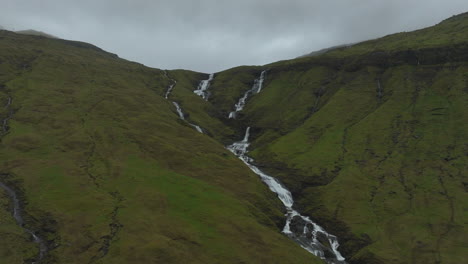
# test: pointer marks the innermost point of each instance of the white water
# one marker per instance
(177, 106)
(197, 128)
(169, 90)
(256, 88)
(181, 115)
(20, 222)
(179, 110)
(311, 237)
(202, 89)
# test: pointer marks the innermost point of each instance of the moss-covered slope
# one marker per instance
(107, 172)
(372, 140)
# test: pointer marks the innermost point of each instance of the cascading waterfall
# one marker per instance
(305, 232)
(202, 89)
(169, 89)
(20, 222)
(256, 88)
(17, 212)
(182, 116)
(301, 229)
(258, 83)
(179, 110)
(177, 106)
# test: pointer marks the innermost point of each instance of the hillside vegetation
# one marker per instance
(107, 173)
(370, 138)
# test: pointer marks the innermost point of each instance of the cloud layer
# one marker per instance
(212, 35)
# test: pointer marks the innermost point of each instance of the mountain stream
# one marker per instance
(305, 232)
(177, 106)
(256, 88)
(15, 201)
(202, 89)
(299, 228)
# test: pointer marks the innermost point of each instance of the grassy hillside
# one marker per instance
(197, 110)
(391, 168)
(107, 173)
(35, 33)
(372, 140)
(450, 32)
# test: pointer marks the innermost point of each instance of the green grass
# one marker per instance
(448, 33)
(400, 160)
(93, 143)
(197, 110)
(384, 174)
(101, 159)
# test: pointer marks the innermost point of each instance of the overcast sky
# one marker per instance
(212, 35)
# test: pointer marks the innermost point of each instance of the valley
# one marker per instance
(103, 160)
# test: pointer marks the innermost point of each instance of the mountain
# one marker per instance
(35, 33)
(371, 139)
(107, 173)
(101, 158)
(322, 51)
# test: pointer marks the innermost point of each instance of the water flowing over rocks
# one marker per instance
(301, 229)
(256, 88)
(202, 89)
(177, 106)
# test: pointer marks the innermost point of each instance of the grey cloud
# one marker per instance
(212, 35)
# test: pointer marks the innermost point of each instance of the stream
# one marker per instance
(256, 88)
(202, 89)
(305, 232)
(17, 211)
(309, 235)
(182, 117)
(299, 228)
(177, 106)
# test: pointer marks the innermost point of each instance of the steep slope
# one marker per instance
(107, 173)
(197, 109)
(399, 158)
(371, 139)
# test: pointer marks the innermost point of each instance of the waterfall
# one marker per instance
(177, 106)
(306, 233)
(179, 110)
(202, 89)
(256, 88)
(169, 89)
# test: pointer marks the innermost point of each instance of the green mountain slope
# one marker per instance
(372, 140)
(107, 173)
